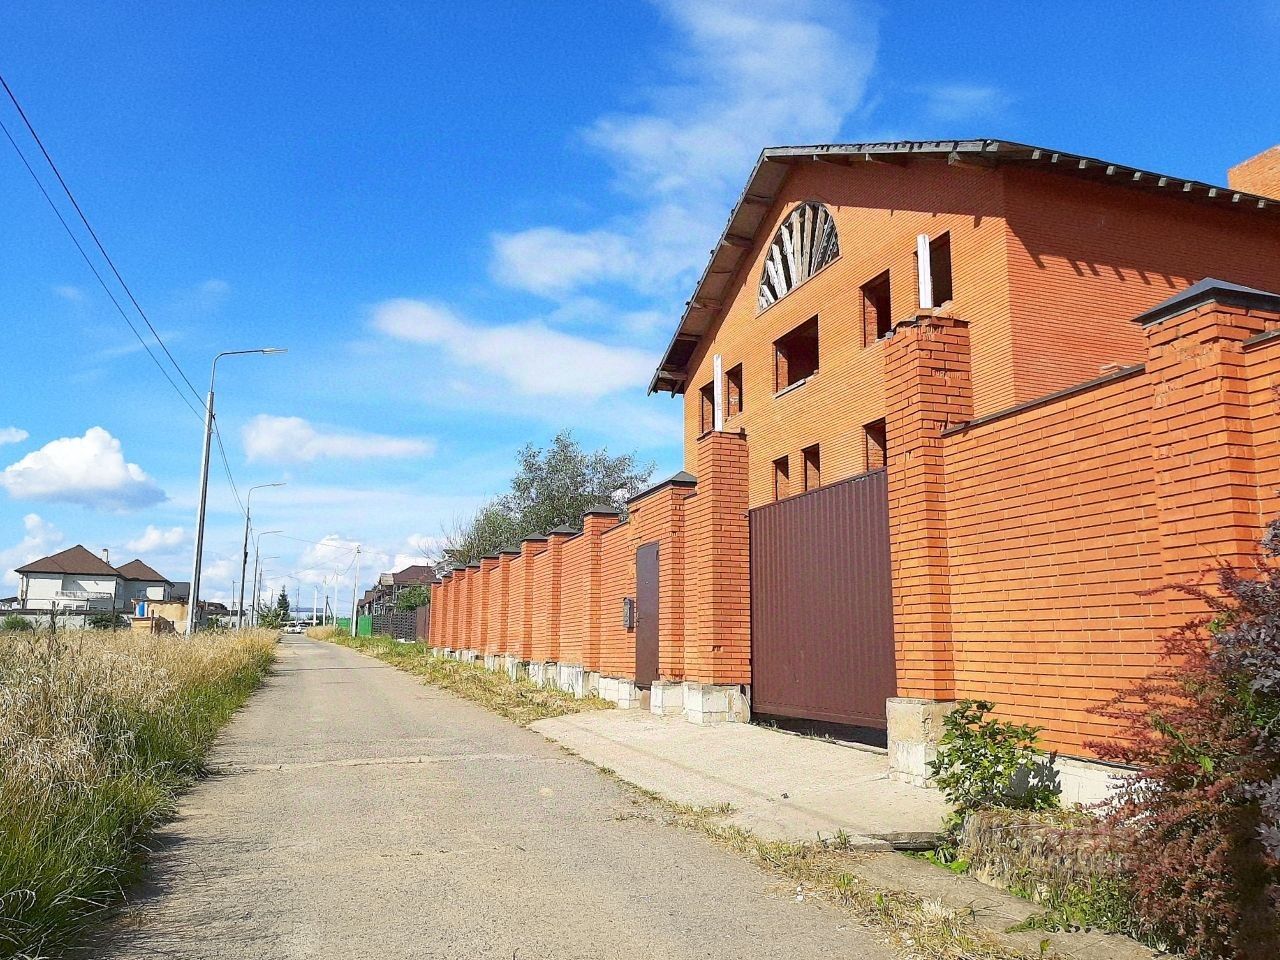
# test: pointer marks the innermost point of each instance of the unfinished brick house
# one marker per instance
(951, 410)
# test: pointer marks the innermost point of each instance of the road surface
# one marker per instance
(356, 812)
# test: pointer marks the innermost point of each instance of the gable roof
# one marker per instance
(774, 163)
(137, 570)
(415, 573)
(74, 560)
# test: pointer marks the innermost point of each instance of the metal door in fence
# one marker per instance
(822, 604)
(647, 614)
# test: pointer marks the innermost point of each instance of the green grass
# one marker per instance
(517, 700)
(99, 732)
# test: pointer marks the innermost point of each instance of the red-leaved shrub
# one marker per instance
(1196, 829)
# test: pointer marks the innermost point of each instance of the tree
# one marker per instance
(269, 616)
(411, 598)
(551, 487)
(282, 605)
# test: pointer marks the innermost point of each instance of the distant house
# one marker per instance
(141, 587)
(74, 579)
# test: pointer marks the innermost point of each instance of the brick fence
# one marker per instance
(1024, 543)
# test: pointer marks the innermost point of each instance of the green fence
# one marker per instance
(364, 626)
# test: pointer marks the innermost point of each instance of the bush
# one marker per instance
(16, 624)
(984, 763)
(1197, 829)
(107, 621)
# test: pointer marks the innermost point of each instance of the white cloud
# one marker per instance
(756, 73)
(89, 470)
(955, 102)
(40, 538)
(294, 440)
(12, 435)
(530, 356)
(71, 294)
(154, 538)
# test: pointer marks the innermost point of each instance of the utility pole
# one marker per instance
(193, 601)
(355, 586)
(244, 554)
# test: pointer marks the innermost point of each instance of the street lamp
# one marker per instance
(257, 546)
(257, 588)
(244, 556)
(193, 601)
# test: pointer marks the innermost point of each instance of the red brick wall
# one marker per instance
(574, 598)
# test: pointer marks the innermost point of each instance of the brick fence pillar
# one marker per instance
(717, 565)
(484, 601)
(594, 523)
(530, 547)
(927, 389)
(1202, 434)
(552, 582)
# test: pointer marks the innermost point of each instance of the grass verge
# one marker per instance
(517, 700)
(99, 731)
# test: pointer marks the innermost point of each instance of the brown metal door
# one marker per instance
(822, 605)
(647, 614)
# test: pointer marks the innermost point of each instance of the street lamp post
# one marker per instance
(244, 554)
(355, 586)
(257, 584)
(193, 601)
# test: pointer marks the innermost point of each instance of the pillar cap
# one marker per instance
(1209, 290)
(564, 529)
(681, 479)
(602, 510)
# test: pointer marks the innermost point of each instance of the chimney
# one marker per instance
(1259, 174)
(106, 556)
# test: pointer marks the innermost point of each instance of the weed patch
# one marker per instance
(517, 700)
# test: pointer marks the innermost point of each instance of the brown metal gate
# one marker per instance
(647, 614)
(822, 605)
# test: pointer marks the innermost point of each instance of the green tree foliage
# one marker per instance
(107, 621)
(552, 486)
(282, 605)
(412, 598)
(14, 624)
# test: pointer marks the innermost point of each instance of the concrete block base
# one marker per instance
(491, 662)
(468, 656)
(914, 728)
(543, 674)
(571, 678)
(714, 703)
(517, 669)
(666, 698)
(624, 693)
(590, 683)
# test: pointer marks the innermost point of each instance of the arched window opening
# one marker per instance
(804, 244)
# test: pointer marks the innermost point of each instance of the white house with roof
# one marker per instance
(74, 579)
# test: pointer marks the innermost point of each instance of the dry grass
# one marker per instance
(517, 700)
(98, 732)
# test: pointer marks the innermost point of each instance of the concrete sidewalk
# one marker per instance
(781, 786)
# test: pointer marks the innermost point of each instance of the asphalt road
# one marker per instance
(358, 813)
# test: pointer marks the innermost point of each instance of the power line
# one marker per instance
(101, 249)
(102, 282)
(74, 239)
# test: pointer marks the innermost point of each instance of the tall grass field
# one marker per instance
(99, 731)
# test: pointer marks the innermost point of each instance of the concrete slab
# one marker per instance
(781, 786)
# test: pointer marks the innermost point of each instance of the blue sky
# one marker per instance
(471, 225)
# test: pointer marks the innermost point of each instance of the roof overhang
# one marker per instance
(773, 166)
